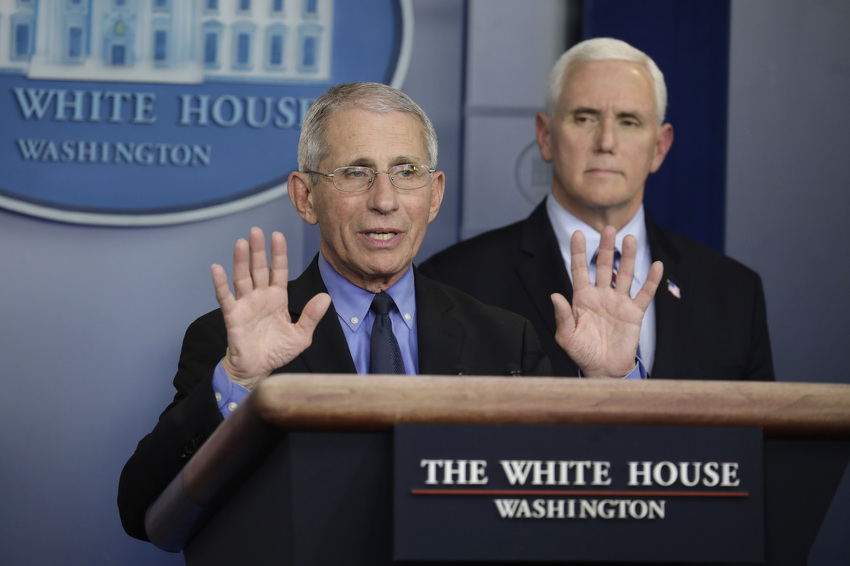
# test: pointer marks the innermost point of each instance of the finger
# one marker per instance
(647, 291)
(564, 320)
(280, 263)
(242, 283)
(222, 288)
(626, 271)
(578, 261)
(259, 261)
(313, 312)
(605, 258)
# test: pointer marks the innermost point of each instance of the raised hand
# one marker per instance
(600, 331)
(260, 333)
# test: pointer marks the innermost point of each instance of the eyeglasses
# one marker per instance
(351, 179)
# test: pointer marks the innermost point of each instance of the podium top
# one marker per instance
(369, 402)
(323, 402)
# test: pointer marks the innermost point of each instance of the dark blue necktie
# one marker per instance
(617, 256)
(384, 355)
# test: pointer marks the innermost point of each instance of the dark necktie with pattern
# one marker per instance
(384, 355)
(616, 265)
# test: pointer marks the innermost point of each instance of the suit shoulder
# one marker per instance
(212, 321)
(491, 243)
(705, 259)
(469, 305)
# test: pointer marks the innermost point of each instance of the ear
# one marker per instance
(541, 128)
(662, 146)
(438, 187)
(301, 194)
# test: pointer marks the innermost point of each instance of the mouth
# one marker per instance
(381, 235)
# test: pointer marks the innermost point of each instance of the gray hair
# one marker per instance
(605, 49)
(313, 145)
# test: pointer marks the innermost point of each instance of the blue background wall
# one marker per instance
(689, 41)
(93, 318)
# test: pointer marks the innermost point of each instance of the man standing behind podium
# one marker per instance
(367, 158)
(603, 131)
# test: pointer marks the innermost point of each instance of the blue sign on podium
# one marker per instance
(589, 493)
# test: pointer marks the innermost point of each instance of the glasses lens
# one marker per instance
(352, 179)
(410, 175)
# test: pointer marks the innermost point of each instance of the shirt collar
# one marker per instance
(352, 303)
(564, 224)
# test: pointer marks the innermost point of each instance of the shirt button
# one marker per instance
(217, 397)
(354, 320)
(231, 407)
(407, 316)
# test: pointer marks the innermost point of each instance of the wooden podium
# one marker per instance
(301, 472)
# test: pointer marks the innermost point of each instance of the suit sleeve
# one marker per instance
(184, 425)
(761, 358)
(534, 360)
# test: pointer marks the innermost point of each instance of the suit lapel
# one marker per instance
(671, 313)
(329, 351)
(543, 272)
(440, 336)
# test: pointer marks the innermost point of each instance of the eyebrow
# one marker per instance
(370, 163)
(585, 110)
(597, 112)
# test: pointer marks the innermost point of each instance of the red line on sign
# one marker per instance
(530, 492)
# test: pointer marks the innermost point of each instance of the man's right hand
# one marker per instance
(261, 336)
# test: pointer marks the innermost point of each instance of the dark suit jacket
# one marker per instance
(457, 335)
(717, 330)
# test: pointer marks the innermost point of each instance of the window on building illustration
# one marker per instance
(160, 45)
(243, 49)
(277, 7)
(22, 40)
(120, 3)
(211, 5)
(275, 47)
(311, 8)
(244, 5)
(308, 56)
(211, 49)
(75, 42)
(118, 54)
(162, 5)
(309, 45)
(276, 51)
(75, 4)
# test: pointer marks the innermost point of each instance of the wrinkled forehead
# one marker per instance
(598, 84)
(369, 138)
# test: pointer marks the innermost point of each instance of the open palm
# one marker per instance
(600, 330)
(260, 333)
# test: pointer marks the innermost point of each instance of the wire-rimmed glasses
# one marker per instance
(354, 179)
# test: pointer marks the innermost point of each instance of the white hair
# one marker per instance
(605, 49)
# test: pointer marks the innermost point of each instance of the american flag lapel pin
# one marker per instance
(674, 289)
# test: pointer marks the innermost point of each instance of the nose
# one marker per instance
(606, 138)
(383, 196)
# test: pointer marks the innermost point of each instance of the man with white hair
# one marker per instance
(604, 133)
(368, 178)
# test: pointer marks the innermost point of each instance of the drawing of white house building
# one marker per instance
(170, 41)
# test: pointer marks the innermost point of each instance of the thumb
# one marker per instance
(564, 320)
(313, 312)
